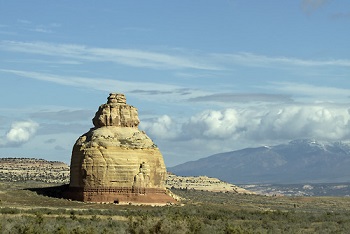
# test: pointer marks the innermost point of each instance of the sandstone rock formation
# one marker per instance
(40, 170)
(203, 183)
(115, 161)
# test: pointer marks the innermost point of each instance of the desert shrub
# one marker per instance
(229, 229)
(150, 225)
(187, 219)
(42, 224)
(8, 210)
(61, 229)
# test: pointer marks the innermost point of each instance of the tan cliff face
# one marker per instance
(115, 160)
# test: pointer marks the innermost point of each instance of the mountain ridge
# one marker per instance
(298, 161)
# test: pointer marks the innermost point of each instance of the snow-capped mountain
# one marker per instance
(299, 161)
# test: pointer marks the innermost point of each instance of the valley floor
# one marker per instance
(26, 208)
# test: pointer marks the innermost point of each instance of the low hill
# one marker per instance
(32, 169)
(299, 161)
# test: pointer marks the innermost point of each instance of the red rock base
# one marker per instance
(120, 195)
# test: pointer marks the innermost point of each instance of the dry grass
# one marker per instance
(24, 210)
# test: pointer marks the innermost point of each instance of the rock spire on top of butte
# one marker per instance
(116, 113)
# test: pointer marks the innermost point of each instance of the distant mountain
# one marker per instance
(299, 161)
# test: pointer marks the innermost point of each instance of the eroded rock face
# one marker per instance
(115, 161)
(116, 113)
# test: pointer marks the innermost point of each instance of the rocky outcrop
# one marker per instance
(115, 161)
(203, 183)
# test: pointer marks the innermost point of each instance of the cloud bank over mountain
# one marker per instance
(270, 123)
(235, 128)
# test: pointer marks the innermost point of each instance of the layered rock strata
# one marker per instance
(203, 183)
(115, 161)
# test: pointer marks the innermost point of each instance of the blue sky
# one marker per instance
(206, 76)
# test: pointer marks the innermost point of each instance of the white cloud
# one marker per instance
(161, 127)
(144, 89)
(317, 92)
(257, 124)
(214, 124)
(169, 59)
(20, 133)
(255, 60)
(215, 131)
(130, 57)
(99, 84)
(272, 123)
(242, 98)
(41, 29)
(23, 21)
